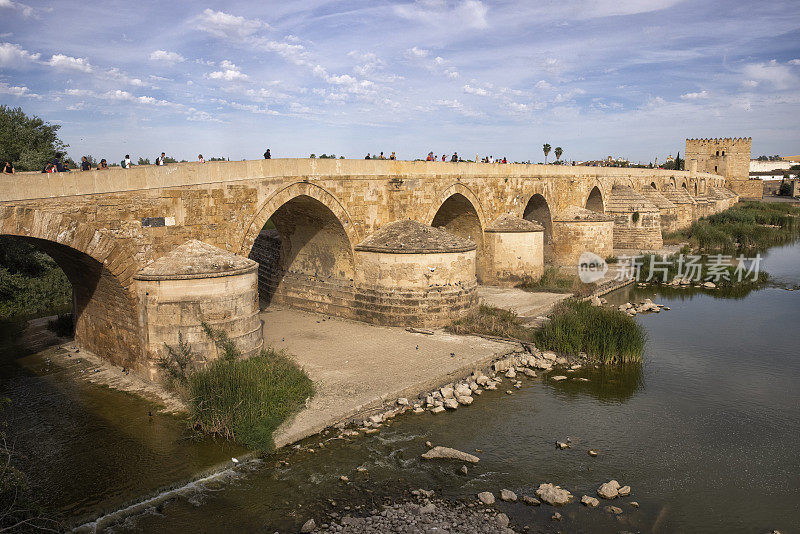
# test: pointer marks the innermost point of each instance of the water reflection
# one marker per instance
(609, 383)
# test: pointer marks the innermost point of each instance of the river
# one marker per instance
(704, 431)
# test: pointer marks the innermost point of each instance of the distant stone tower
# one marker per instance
(728, 157)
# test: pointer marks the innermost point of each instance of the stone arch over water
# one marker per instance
(459, 216)
(594, 201)
(100, 269)
(538, 210)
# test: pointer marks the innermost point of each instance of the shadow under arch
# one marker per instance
(594, 201)
(100, 270)
(459, 216)
(538, 210)
(305, 254)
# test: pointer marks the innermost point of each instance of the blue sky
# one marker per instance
(596, 77)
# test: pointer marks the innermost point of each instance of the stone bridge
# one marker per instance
(154, 251)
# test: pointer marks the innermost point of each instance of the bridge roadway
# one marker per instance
(153, 251)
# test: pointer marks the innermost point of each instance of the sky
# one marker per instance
(624, 78)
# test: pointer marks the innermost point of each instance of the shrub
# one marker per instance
(555, 280)
(605, 334)
(491, 321)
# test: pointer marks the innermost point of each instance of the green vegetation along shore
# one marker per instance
(243, 399)
(745, 226)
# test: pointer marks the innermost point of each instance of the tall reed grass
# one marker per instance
(555, 280)
(607, 335)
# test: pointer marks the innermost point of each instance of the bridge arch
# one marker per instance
(100, 269)
(301, 237)
(537, 209)
(459, 212)
(594, 201)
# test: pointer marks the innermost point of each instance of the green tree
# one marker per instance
(546, 149)
(29, 142)
(558, 152)
(143, 161)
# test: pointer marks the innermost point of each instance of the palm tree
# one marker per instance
(559, 151)
(546, 149)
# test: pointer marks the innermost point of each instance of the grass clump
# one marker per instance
(605, 334)
(555, 280)
(748, 225)
(243, 399)
(491, 321)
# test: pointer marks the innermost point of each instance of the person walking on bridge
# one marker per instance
(267, 154)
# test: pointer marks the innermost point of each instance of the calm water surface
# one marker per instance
(705, 432)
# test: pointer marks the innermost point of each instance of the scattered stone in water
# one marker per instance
(465, 400)
(590, 501)
(446, 453)
(556, 517)
(613, 510)
(446, 392)
(464, 469)
(502, 520)
(624, 491)
(511, 373)
(429, 444)
(486, 497)
(308, 526)
(530, 373)
(361, 469)
(558, 378)
(592, 453)
(419, 410)
(376, 418)
(508, 495)
(402, 401)
(609, 490)
(450, 403)
(344, 478)
(509, 392)
(437, 409)
(635, 504)
(531, 501)
(562, 445)
(552, 494)
(372, 431)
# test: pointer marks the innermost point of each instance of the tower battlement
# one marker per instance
(725, 156)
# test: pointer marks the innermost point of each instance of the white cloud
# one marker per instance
(230, 72)
(24, 9)
(12, 55)
(695, 96)
(416, 53)
(70, 63)
(781, 76)
(296, 107)
(750, 83)
(17, 90)
(543, 85)
(167, 57)
(458, 107)
(466, 14)
(475, 90)
(794, 62)
(227, 26)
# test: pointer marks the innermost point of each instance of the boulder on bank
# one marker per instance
(609, 490)
(508, 495)
(486, 497)
(446, 453)
(591, 502)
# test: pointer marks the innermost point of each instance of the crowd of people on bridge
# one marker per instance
(392, 156)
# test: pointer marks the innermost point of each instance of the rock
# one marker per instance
(374, 419)
(437, 409)
(592, 453)
(429, 400)
(473, 386)
(429, 444)
(427, 509)
(613, 510)
(530, 373)
(446, 392)
(596, 301)
(308, 526)
(556, 517)
(482, 380)
(558, 378)
(561, 360)
(553, 494)
(451, 403)
(591, 502)
(466, 400)
(531, 501)
(402, 401)
(575, 367)
(463, 390)
(419, 410)
(511, 373)
(502, 520)
(344, 478)
(550, 356)
(446, 453)
(624, 491)
(609, 490)
(709, 285)
(464, 469)
(508, 495)
(509, 392)
(562, 445)
(486, 497)
(361, 469)
(635, 504)
(477, 392)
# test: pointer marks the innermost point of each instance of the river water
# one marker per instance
(705, 432)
